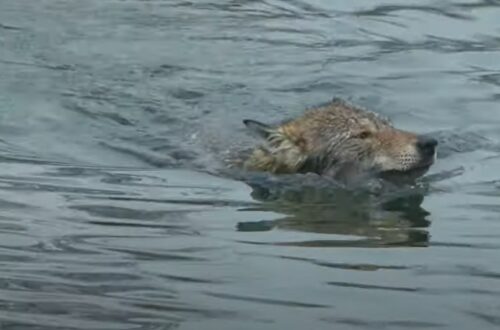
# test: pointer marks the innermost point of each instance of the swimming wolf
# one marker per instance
(341, 141)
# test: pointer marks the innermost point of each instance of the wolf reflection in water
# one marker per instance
(382, 221)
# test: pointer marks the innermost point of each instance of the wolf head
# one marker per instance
(340, 140)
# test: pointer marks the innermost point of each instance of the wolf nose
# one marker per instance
(427, 145)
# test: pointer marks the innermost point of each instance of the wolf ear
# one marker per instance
(262, 130)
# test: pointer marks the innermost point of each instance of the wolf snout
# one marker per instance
(427, 145)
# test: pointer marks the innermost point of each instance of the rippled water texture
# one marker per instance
(113, 211)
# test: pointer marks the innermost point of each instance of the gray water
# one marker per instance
(113, 211)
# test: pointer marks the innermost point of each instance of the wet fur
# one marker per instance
(338, 140)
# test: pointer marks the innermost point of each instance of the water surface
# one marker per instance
(114, 116)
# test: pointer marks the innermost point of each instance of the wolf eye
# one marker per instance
(364, 135)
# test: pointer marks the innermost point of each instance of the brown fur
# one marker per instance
(339, 140)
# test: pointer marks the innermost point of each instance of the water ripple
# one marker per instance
(114, 210)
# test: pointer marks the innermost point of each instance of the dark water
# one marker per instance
(114, 115)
